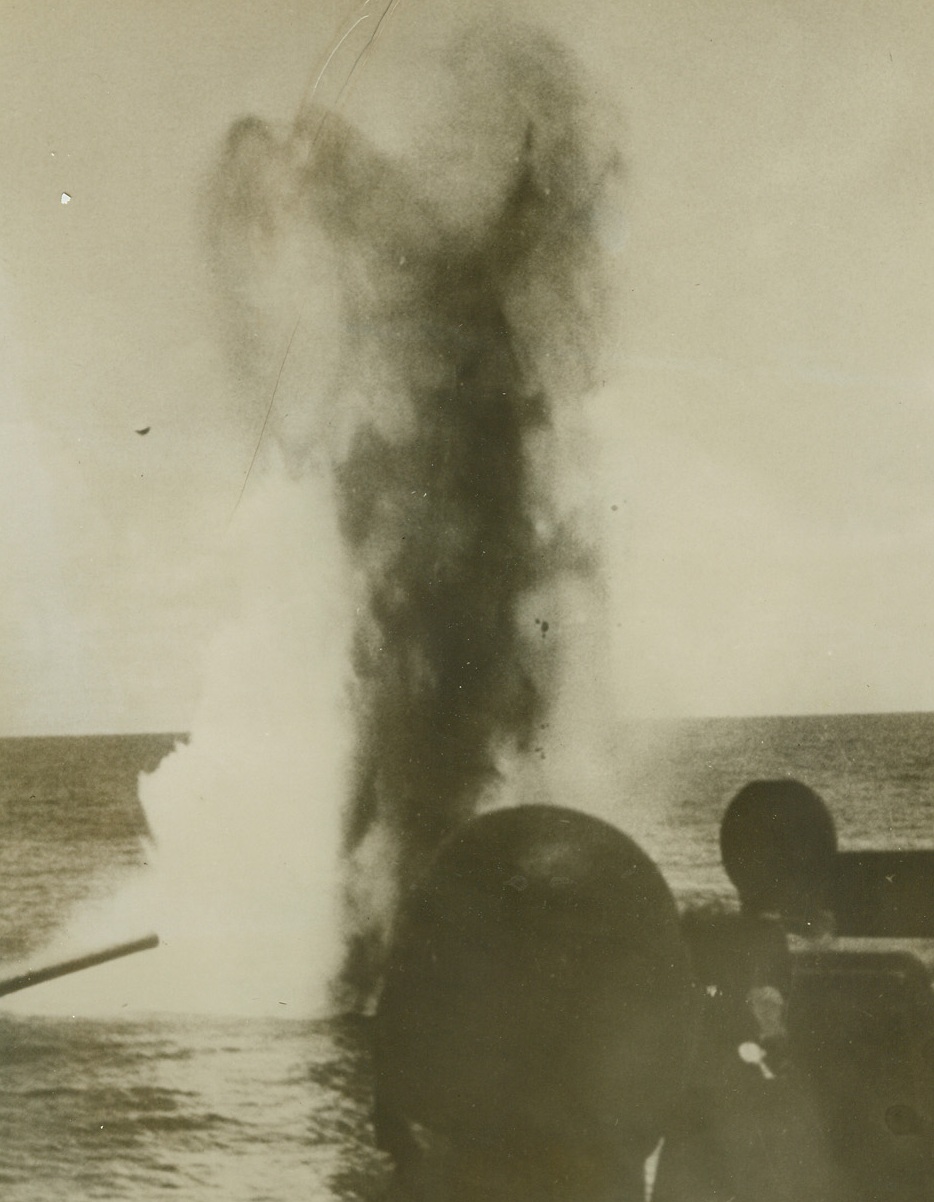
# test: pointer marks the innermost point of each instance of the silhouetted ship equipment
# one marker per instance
(823, 984)
(37, 976)
(548, 1018)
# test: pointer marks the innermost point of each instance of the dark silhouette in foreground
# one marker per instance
(814, 1078)
(535, 1025)
(547, 1017)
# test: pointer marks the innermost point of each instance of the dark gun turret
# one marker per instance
(845, 942)
(535, 1025)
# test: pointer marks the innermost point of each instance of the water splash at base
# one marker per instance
(242, 887)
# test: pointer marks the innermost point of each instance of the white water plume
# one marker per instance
(424, 372)
(242, 888)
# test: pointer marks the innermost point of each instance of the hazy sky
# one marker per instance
(766, 431)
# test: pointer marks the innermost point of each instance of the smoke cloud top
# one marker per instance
(412, 330)
(424, 334)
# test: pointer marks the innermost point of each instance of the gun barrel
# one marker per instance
(38, 975)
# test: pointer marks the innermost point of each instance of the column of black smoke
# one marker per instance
(462, 331)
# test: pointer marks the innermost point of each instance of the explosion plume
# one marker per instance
(459, 291)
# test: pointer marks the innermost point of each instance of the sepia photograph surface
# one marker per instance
(466, 637)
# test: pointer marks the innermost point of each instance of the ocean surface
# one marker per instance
(243, 1110)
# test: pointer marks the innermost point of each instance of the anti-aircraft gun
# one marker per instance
(819, 1032)
(64, 968)
(549, 1021)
